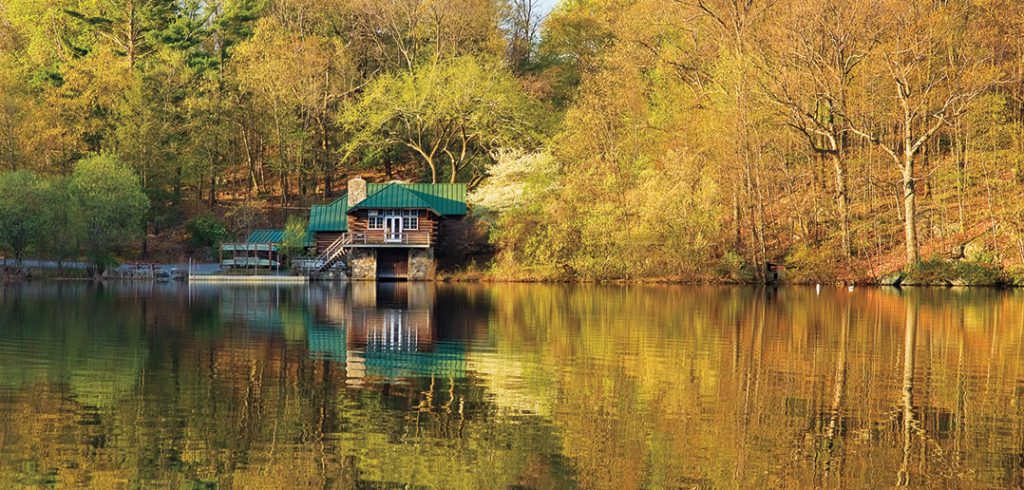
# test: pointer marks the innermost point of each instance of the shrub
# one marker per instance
(294, 240)
(982, 272)
(930, 272)
(979, 273)
(807, 264)
(206, 231)
(732, 267)
(22, 197)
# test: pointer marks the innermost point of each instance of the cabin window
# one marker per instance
(410, 219)
(376, 220)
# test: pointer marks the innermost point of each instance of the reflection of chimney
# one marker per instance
(356, 191)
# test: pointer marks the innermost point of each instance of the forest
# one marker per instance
(690, 140)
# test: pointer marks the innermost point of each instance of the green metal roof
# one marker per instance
(265, 236)
(443, 199)
(393, 196)
(271, 236)
(329, 217)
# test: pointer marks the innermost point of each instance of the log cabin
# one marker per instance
(385, 230)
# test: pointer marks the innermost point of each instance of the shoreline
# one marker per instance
(6, 280)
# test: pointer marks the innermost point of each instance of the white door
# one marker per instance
(393, 229)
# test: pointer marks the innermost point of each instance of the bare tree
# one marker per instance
(818, 55)
(932, 87)
(521, 21)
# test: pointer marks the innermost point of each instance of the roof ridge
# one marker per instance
(415, 195)
(384, 186)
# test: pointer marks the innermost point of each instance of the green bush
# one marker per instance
(958, 273)
(732, 267)
(22, 224)
(979, 273)
(930, 272)
(206, 231)
(294, 240)
(813, 264)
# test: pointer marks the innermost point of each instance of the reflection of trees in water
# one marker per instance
(784, 392)
(552, 386)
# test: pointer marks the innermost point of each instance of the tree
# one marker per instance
(400, 35)
(61, 220)
(297, 82)
(451, 113)
(131, 27)
(930, 72)
(110, 207)
(521, 20)
(22, 223)
(293, 241)
(819, 54)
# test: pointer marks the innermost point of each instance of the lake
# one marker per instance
(509, 386)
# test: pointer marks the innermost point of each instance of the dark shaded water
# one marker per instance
(509, 386)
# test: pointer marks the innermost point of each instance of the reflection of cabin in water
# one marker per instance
(391, 328)
(384, 231)
(378, 330)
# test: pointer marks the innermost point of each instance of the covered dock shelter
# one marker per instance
(260, 250)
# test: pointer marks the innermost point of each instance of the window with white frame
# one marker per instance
(410, 219)
(376, 220)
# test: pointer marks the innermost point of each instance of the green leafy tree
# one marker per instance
(111, 207)
(22, 195)
(294, 240)
(61, 219)
(449, 114)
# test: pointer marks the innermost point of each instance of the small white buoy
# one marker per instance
(850, 287)
(817, 289)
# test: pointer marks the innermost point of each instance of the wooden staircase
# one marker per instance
(331, 255)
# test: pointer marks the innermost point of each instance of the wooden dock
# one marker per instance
(250, 279)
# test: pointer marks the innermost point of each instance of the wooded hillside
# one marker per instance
(692, 139)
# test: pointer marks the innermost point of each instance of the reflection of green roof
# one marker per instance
(326, 343)
(447, 359)
(265, 236)
(329, 217)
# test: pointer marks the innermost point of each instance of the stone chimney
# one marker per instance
(356, 191)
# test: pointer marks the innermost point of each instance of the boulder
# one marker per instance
(894, 279)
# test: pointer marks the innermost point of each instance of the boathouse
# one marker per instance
(384, 230)
(260, 250)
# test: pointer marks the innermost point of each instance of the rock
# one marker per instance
(894, 279)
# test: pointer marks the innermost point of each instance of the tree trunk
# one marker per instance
(213, 188)
(177, 185)
(910, 211)
(843, 202)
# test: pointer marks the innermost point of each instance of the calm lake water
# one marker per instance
(525, 386)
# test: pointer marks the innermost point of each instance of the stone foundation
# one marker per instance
(421, 264)
(362, 264)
